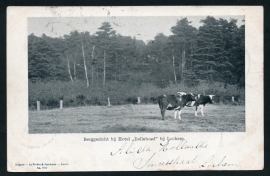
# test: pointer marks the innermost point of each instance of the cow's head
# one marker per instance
(190, 97)
(197, 96)
(211, 98)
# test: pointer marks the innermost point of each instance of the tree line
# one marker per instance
(215, 52)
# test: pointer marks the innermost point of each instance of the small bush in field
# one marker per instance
(80, 99)
(87, 102)
(241, 102)
(52, 102)
(32, 103)
(145, 100)
(95, 101)
(216, 99)
(153, 99)
(132, 100)
(69, 103)
(234, 103)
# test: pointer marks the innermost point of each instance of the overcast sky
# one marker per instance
(143, 28)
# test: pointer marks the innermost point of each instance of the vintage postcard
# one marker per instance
(135, 88)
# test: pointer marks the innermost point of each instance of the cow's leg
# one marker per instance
(202, 110)
(179, 114)
(200, 107)
(175, 113)
(196, 110)
(176, 110)
(163, 113)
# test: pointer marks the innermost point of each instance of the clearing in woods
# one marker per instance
(136, 118)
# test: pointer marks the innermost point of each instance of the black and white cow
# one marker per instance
(177, 102)
(190, 103)
(201, 101)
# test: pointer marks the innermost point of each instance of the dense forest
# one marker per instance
(214, 54)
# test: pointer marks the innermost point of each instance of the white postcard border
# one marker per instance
(243, 150)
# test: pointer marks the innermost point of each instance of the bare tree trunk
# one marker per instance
(104, 69)
(85, 69)
(180, 67)
(75, 77)
(92, 65)
(69, 71)
(115, 74)
(211, 78)
(97, 76)
(174, 70)
(183, 65)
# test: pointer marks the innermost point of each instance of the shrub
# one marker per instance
(69, 103)
(132, 100)
(145, 100)
(77, 94)
(95, 101)
(234, 103)
(154, 99)
(52, 102)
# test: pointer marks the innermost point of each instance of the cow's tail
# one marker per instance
(161, 100)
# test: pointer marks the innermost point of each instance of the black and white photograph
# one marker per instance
(149, 88)
(136, 74)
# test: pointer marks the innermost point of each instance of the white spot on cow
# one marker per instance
(199, 95)
(211, 96)
(181, 93)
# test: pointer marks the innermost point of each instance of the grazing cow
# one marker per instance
(201, 101)
(177, 102)
(190, 103)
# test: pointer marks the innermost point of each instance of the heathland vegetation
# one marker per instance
(85, 69)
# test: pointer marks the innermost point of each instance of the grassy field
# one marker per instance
(136, 118)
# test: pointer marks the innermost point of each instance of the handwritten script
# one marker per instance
(171, 153)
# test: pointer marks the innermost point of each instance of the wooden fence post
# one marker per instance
(109, 103)
(61, 104)
(38, 105)
(139, 100)
(232, 99)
